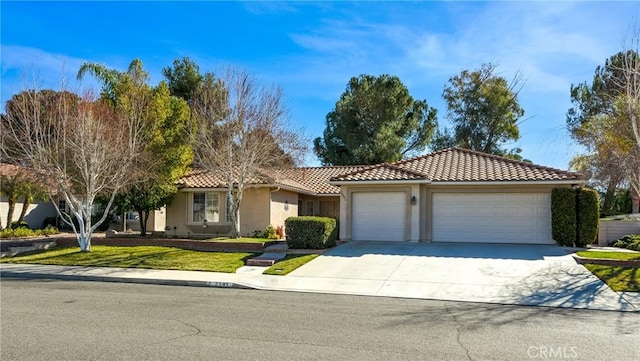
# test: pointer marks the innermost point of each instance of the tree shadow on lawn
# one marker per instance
(170, 258)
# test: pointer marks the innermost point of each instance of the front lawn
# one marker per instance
(618, 278)
(625, 256)
(289, 263)
(151, 257)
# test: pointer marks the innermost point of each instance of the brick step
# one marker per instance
(261, 262)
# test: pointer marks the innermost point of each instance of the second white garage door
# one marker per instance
(492, 217)
(378, 216)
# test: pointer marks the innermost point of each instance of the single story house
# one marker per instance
(453, 195)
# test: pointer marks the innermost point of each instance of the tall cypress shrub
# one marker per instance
(563, 216)
(588, 213)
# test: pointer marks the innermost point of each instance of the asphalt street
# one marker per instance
(75, 320)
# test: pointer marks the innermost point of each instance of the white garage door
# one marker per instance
(492, 217)
(378, 216)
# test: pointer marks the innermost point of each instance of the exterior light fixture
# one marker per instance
(286, 205)
(413, 200)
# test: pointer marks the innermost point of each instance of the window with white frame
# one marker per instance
(206, 206)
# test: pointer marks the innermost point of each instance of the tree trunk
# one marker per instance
(143, 217)
(608, 198)
(12, 207)
(85, 242)
(25, 207)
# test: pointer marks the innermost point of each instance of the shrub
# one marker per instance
(630, 241)
(311, 232)
(280, 232)
(563, 216)
(16, 225)
(588, 213)
(270, 233)
(26, 232)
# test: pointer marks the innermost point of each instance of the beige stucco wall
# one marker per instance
(284, 204)
(254, 211)
(36, 213)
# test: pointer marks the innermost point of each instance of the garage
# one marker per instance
(378, 216)
(492, 217)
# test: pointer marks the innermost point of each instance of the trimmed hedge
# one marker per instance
(588, 209)
(563, 216)
(311, 232)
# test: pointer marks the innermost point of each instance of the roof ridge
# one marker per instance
(510, 160)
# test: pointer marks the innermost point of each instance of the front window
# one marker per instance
(206, 206)
(310, 208)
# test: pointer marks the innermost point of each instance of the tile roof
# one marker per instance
(459, 165)
(200, 178)
(317, 178)
(314, 180)
(448, 165)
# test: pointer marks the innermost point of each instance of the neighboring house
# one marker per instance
(453, 195)
(269, 199)
(37, 211)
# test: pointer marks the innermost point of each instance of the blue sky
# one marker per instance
(312, 49)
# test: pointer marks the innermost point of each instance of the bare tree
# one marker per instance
(241, 130)
(81, 148)
(627, 107)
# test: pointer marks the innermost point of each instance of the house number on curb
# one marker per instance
(220, 284)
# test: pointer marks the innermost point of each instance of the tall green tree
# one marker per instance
(167, 156)
(165, 119)
(602, 121)
(484, 112)
(184, 78)
(375, 120)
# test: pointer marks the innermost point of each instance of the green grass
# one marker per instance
(241, 240)
(618, 278)
(151, 257)
(625, 256)
(289, 263)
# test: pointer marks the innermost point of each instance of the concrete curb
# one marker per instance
(139, 280)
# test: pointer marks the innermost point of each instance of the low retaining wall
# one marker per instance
(610, 231)
(193, 245)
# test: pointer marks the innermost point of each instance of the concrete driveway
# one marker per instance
(494, 273)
